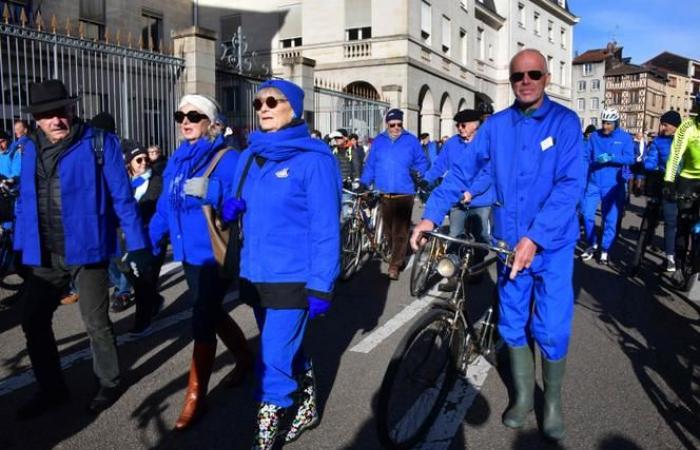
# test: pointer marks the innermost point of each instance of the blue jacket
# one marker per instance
(184, 220)
(620, 145)
(657, 154)
(291, 227)
(457, 150)
(11, 160)
(389, 164)
(535, 164)
(90, 198)
(432, 152)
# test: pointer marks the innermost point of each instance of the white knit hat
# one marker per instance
(202, 103)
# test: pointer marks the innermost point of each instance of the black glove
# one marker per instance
(423, 184)
(139, 261)
(669, 190)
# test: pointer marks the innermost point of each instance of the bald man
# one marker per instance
(535, 164)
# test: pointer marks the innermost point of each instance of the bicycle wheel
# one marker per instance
(350, 242)
(420, 374)
(639, 247)
(383, 246)
(422, 268)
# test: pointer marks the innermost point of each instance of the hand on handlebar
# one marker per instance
(417, 239)
(466, 198)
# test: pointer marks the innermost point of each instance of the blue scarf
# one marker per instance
(285, 143)
(187, 159)
(139, 182)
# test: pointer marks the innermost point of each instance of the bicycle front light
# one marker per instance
(447, 266)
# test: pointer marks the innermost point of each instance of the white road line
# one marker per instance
(25, 378)
(458, 402)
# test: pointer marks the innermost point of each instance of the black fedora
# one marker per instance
(47, 96)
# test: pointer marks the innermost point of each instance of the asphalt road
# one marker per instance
(633, 377)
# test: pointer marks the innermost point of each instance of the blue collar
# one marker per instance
(539, 114)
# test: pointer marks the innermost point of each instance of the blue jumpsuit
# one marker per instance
(606, 183)
(536, 168)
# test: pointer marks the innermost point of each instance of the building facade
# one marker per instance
(639, 94)
(683, 80)
(429, 57)
(588, 82)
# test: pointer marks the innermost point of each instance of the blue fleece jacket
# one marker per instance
(291, 227)
(620, 146)
(535, 165)
(457, 150)
(390, 163)
(657, 154)
(180, 215)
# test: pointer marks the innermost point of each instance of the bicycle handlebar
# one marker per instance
(501, 248)
(359, 194)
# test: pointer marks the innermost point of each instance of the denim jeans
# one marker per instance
(474, 221)
(670, 211)
(45, 287)
(118, 279)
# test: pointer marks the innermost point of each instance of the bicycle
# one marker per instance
(650, 220)
(437, 350)
(361, 233)
(424, 264)
(685, 277)
(9, 281)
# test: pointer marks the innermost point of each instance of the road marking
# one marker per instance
(26, 377)
(456, 405)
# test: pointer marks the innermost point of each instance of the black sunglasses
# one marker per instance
(271, 103)
(192, 116)
(140, 160)
(394, 125)
(531, 74)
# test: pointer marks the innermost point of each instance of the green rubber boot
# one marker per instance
(522, 367)
(552, 376)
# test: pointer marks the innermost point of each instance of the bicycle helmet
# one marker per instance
(610, 115)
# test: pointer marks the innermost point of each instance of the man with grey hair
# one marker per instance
(73, 186)
(534, 162)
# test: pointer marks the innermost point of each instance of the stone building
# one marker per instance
(588, 85)
(683, 80)
(639, 94)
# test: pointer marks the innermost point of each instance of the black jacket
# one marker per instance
(147, 203)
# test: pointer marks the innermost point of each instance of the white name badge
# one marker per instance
(547, 144)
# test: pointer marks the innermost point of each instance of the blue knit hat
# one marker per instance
(394, 114)
(294, 94)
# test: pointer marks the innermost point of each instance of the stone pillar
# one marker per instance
(430, 123)
(196, 46)
(300, 71)
(392, 93)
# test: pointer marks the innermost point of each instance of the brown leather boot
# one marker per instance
(200, 371)
(233, 338)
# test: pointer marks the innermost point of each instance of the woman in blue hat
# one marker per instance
(290, 191)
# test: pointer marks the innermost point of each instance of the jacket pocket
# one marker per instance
(286, 254)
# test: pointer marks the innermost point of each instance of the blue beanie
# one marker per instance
(294, 94)
(394, 114)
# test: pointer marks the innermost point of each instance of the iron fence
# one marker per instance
(360, 115)
(140, 88)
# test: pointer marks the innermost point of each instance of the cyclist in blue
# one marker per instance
(535, 165)
(655, 165)
(474, 217)
(608, 151)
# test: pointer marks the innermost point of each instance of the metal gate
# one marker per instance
(140, 88)
(235, 93)
(360, 115)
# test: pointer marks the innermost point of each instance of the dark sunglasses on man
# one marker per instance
(192, 116)
(141, 160)
(271, 102)
(534, 75)
(395, 124)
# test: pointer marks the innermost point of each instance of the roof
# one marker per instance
(591, 56)
(628, 69)
(670, 62)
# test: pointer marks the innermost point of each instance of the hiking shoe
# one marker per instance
(670, 263)
(121, 302)
(588, 254)
(603, 258)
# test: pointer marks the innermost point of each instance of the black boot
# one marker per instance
(522, 368)
(552, 376)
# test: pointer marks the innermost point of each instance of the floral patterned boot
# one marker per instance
(307, 415)
(269, 418)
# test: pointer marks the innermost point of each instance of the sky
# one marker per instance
(644, 28)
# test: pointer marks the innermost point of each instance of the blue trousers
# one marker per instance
(472, 220)
(548, 283)
(670, 211)
(611, 199)
(281, 357)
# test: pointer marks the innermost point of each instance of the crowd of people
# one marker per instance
(266, 219)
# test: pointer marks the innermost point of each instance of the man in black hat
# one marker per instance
(395, 155)
(472, 218)
(71, 191)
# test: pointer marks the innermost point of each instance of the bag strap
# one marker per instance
(244, 175)
(215, 161)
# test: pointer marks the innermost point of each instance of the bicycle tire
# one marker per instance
(349, 248)
(428, 374)
(421, 270)
(640, 245)
(383, 247)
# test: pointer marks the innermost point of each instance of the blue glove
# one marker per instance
(604, 158)
(317, 306)
(232, 209)
(696, 228)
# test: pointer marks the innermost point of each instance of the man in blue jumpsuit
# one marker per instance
(608, 151)
(535, 164)
(474, 217)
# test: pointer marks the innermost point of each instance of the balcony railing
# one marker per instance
(357, 49)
